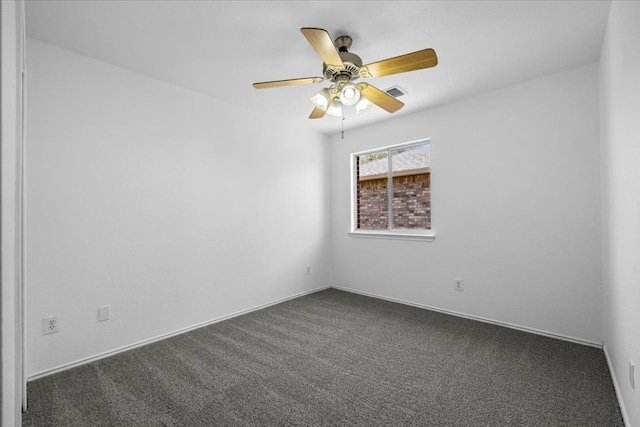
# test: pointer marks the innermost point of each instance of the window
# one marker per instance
(392, 191)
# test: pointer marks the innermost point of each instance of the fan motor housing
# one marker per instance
(351, 70)
(352, 62)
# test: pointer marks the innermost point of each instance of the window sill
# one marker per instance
(428, 236)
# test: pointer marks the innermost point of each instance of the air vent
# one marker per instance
(396, 91)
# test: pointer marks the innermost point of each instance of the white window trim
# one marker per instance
(397, 234)
(425, 235)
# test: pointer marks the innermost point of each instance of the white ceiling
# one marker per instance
(219, 48)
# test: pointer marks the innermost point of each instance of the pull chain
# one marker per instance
(342, 133)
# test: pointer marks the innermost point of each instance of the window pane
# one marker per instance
(372, 191)
(411, 187)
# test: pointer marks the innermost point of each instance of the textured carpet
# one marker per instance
(334, 358)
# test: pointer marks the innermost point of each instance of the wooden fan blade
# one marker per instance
(400, 64)
(317, 113)
(321, 41)
(380, 98)
(290, 82)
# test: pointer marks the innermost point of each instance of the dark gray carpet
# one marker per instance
(336, 359)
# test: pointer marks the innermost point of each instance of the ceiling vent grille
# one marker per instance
(396, 91)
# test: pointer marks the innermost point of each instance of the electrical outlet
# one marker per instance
(459, 285)
(632, 374)
(51, 325)
(308, 270)
(104, 313)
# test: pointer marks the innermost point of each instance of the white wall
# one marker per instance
(169, 206)
(620, 127)
(515, 205)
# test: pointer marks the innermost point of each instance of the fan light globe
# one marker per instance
(350, 94)
(335, 108)
(321, 99)
(362, 105)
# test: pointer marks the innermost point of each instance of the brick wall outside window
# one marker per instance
(411, 202)
(372, 204)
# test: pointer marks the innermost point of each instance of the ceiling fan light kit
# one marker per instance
(342, 67)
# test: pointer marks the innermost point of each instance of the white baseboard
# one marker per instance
(103, 355)
(616, 387)
(113, 352)
(472, 317)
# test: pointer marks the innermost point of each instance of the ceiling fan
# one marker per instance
(342, 68)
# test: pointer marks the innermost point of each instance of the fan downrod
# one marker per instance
(343, 43)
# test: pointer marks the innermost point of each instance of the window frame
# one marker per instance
(389, 233)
